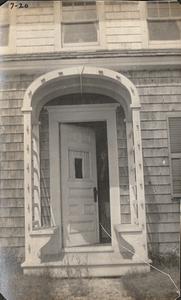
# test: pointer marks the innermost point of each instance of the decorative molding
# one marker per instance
(115, 60)
(44, 82)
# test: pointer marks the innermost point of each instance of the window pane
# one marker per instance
(175, 9)
(163, 10)
(79, 14)
(164, 30)
(78, 168)
(79, 11)
(152, 9)
(4, 35)
(80, 33)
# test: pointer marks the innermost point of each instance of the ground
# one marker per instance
(151, 286)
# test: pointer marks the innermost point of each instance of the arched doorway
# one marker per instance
(63, 119)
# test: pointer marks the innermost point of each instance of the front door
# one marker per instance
(79, 186)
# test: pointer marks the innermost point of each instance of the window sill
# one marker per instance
(165, 44)
(6, 50)
(79, 47)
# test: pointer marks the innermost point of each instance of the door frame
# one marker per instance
(84, 113)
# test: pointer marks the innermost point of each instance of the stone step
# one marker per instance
(94, 270)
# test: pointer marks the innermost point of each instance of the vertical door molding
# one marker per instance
(113, 177)
(36, 205)
(139, 170)
(28, 182)
(55, 192)
(132, 174)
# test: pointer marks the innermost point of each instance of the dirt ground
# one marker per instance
(46, 289)
(151, 286)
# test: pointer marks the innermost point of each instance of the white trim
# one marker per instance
(57, 24)
(36, 176)
(98, 248)
(101, 73)
(143, 25)
(86, 113)
(55, 194)
(132, 175)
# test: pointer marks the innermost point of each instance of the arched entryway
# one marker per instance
(82, 81)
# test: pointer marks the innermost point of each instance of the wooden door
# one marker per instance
(79, 186)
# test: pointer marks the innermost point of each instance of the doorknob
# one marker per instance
(95, 194)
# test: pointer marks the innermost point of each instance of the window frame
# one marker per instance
(172, 155)
(83, 44)
(161, 43)
(99, 44)
(11, 46)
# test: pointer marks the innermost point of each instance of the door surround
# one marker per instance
(84, 113)
(95, 80)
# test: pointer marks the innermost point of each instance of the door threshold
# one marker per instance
(90, 248)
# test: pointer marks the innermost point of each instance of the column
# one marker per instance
(36, 177)
(28, 181)
(132, 174)
(139, 171)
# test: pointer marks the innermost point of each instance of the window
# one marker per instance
(164, 20)
(78, 168)
(4, 25)
(79, 23)
(175, 154)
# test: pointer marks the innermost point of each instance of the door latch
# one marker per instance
(95, 194)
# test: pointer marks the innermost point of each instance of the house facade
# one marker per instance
(90, 158)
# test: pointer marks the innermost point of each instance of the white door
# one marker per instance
(79, 186)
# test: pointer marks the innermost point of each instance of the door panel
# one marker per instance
(79, 177)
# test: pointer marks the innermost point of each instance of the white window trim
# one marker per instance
(147, 43)
(101, 44)
(172, 115)
(11, 47)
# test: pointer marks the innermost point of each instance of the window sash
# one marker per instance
(170, 12)
(164, 30)
(159, 14)
(83, 42)
(83, 14)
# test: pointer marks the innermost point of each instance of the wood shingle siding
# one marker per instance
(160, 94)
(12, 89)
